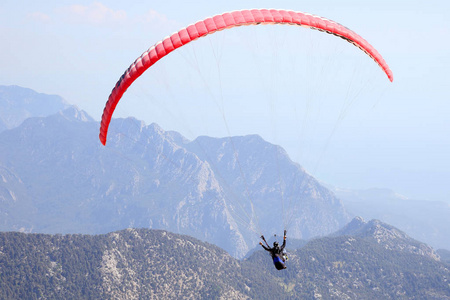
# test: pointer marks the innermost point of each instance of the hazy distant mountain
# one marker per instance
(444, 255)
(58, 178)
(155, 264)
(427, 221)
(18, 104)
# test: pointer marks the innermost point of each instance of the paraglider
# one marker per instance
(277, 252)
(226, 21)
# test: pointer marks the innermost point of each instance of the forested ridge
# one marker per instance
(155, 264)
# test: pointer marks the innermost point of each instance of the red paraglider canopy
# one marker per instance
(225, 21)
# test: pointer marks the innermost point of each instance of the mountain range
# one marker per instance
(58, 178)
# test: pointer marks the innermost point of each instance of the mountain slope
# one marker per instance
(146, 264)
(130, 264)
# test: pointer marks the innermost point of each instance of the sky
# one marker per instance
(321, 99)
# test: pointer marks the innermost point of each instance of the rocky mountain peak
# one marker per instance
(73, 113)
(386, 235)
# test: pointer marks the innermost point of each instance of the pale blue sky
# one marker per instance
(396, 135)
